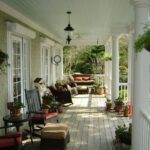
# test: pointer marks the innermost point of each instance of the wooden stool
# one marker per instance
(55, 135)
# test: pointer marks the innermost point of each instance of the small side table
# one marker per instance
(17, 122)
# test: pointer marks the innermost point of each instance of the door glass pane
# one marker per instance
(45, 64)
(16, 70)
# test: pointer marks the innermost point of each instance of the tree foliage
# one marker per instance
(123, 62)
(88, 60)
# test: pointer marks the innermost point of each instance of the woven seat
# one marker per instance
(55, 135)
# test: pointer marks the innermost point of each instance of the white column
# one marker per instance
(130, 66)
(140, 97)
(106, 69)
(115, 67)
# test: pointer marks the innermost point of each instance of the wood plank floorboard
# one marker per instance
(90, 126)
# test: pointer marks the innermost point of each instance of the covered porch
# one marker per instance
(32, 34)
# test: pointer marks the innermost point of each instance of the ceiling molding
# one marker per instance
(19, 29)
(141, 3)
(47, 41)
(14, 13)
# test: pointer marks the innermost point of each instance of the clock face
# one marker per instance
(57, 59)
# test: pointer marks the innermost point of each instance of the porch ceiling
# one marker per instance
(92, 19)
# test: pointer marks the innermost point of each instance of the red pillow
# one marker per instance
(78, 78)
(86, 78)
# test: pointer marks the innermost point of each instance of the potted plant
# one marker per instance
(15, 107)
(45, 108)
(143, 40)
(3, 61)
(99, 89)
(119, 103)
(57, 106)
(119, 130)
(108, 104)
(123, 134)
(47, 99)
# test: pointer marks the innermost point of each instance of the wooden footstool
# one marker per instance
(55, 136)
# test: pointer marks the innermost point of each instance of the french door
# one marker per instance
(19, 67)
(45, 67)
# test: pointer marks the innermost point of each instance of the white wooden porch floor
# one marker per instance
(90, 126)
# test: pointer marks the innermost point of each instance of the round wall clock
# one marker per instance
(57, 59)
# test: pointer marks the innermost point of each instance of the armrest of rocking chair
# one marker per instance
(37, 112)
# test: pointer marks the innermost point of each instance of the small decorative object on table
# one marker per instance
(15, 107)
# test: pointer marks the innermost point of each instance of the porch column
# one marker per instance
(115, 68)
(140, 97)
(130, 66)
(108, 70)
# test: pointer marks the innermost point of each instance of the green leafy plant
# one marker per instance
(3, 61)
(17, 103)
(45, 106)
(120, 129)
(119, 101)
(143, 40)
(48, 98)
(123, 134)
(108, 101)
(107, 57)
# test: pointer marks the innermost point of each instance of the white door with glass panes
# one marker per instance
(19, 68)
(45, 67)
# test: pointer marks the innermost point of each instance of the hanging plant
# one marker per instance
(3, 61)
(143, 40)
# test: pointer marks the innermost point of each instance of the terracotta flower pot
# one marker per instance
(15, 112)
(60, 109)
(108, 106)
(119, 108)
(46, 110)
(100, 91)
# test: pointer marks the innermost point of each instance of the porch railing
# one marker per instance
(123, 90)
(145, 134)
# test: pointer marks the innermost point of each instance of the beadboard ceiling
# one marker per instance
(92, 19)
